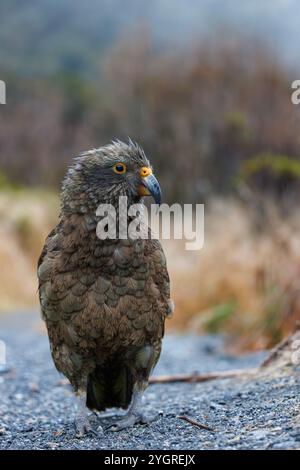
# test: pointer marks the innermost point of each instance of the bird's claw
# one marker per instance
(83, 427)
(130, 420)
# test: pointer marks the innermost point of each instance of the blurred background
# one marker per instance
(205, 87)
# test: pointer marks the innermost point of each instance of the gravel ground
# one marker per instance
(37, 408)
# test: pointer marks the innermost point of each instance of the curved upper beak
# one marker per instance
(149, 185)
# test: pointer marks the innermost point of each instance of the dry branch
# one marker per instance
(195, 377)
(196, 423)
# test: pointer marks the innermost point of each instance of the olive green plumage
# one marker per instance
(104, 301)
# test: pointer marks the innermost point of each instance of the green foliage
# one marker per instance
(8, 185)
(23, 227)
(236, 122)
(276, 165)
(4, 183)
(219, 315)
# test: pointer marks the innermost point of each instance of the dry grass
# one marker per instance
(26, 218)
(245, 282)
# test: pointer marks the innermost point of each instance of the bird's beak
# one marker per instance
(149, 185)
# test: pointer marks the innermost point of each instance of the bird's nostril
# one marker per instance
(145, 171)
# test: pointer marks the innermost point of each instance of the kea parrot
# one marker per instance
(104, 301)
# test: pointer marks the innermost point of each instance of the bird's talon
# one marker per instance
(82, 428)
(129, 421)
(111, 428)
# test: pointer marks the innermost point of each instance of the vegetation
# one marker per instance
(196, 112)
(246, 282)
(26, 217)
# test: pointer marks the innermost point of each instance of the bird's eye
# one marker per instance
(119, 168)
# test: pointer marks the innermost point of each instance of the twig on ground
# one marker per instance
(195, 377)
(196, 423)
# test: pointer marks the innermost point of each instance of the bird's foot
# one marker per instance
(84, 427)
(130, 419)
(82, 423)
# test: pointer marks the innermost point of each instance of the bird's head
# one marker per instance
(103, 175)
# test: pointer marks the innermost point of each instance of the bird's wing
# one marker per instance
(160, 276)
(48, 246)
(46, 261)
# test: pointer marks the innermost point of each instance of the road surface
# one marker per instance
(37, 407)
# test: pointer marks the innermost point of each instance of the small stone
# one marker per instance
(235, 439)
(52, 445)
(217, 406)
(33, 387)
(259, 433)
(100, 430)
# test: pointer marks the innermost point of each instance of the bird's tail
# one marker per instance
(108, 388)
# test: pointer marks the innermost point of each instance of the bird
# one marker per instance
(105, 301)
